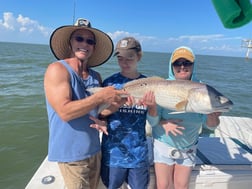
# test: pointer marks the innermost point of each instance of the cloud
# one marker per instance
(23, 28)
(117, 35)
(204, 38)
(212, 44)
(209, 44)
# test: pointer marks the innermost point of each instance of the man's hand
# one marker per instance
(111, 95)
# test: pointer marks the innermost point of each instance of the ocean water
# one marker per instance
(23, 121)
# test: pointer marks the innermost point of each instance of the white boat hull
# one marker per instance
(223, 162)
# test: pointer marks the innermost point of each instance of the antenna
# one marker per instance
(73, 11)
(247, 43)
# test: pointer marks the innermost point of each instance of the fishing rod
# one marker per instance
(74, 3)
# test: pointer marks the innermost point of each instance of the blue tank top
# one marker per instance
(73, 140)
(126, 145)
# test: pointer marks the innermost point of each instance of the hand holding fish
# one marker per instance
(100, 125)
(213, 119)
(171, 125)
(112, 95)
(130, 101)
(150, 101)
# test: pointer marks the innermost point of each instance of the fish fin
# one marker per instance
(181, 105)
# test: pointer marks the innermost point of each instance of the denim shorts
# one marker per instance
(170, 156)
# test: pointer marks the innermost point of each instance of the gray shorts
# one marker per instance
(170, 156)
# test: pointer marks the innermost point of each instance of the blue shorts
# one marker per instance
(114, 177)
(170, 156)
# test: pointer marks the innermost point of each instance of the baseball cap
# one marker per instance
(182, 53)
(127, 46)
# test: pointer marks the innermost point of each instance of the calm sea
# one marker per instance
(23, 126)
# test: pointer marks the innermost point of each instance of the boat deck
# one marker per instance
(223, 161)
(235, 127)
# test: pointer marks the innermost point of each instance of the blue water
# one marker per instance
(23, 126)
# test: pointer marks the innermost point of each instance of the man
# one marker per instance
(72, 142)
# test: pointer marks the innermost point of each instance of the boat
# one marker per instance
(223, 161)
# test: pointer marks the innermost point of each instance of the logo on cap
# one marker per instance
(124, 43)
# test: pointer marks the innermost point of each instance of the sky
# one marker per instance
(160, 25)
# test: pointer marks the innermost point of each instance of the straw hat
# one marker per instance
(59, 42)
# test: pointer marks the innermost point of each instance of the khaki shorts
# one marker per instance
(84, 174)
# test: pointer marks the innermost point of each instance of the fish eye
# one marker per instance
(222, 99)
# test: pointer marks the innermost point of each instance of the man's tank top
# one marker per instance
(73, 140)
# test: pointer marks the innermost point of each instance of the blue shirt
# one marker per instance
(126, 145)
(73, 140)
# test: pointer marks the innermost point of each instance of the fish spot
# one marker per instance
(143, 84)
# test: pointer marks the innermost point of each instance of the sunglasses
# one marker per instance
(82, 39)
(184, 63)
